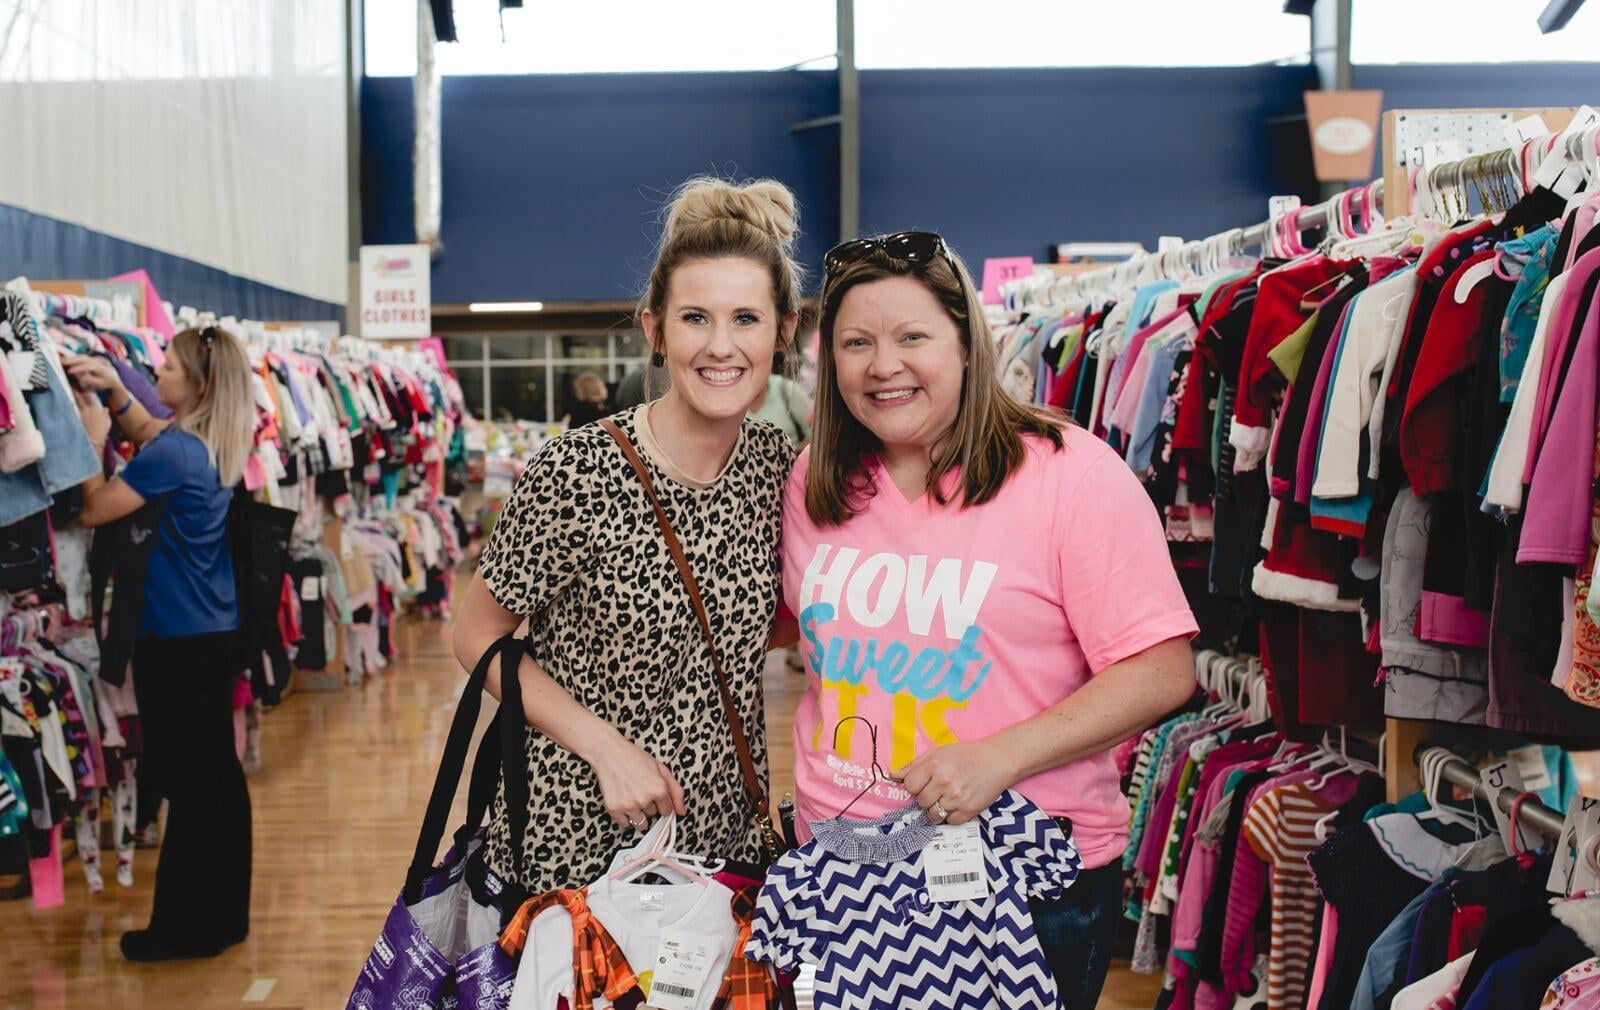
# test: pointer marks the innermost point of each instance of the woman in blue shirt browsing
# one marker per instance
(184, 662)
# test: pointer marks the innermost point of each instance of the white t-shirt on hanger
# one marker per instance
(635, 915)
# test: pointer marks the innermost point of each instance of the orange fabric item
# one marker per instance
(748, 985)
(598, 967)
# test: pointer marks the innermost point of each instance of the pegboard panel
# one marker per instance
(1461, 132)
(1420, 136)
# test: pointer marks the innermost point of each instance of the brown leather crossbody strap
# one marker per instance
(747, 764)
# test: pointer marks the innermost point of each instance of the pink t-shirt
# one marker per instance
(943, 624)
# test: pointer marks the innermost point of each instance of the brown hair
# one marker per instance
(986, 441)
(713, 219)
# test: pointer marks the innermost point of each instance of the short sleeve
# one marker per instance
(1030, 847)
(786, 930)
(1119, 589)
(545, 531)
(159, 468)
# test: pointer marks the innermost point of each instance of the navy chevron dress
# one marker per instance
(855, 902)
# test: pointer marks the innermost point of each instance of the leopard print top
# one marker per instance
(577, 548)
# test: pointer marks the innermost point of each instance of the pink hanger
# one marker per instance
(658, 855)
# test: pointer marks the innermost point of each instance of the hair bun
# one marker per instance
(764, 204)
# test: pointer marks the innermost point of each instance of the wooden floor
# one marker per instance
(345, 779)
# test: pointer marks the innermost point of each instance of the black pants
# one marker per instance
(185, 691)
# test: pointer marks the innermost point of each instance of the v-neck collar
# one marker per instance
(885, 485)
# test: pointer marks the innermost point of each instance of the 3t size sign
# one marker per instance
(395, 293)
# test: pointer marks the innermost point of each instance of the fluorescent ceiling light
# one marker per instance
(505, 306)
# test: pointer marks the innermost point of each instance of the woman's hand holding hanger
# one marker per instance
(637, 787)
(959, 781)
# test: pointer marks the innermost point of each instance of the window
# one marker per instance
(618, 36)
(531, 376)
(1466, 31)
(635, 36)
(1051, 33)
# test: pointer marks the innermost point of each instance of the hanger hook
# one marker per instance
(872, 734)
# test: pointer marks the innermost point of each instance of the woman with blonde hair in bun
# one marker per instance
(618, 681)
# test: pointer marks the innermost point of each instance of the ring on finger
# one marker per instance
(939, 812)
(636, 822)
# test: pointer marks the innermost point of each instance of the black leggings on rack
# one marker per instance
(185, 691)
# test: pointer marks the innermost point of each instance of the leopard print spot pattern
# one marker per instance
(578, 550)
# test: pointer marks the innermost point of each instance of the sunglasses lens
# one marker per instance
(843, 254)
(913, 246)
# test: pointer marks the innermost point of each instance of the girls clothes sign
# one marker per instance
(940, 625)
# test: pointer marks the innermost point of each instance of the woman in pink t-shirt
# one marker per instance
(984, 584)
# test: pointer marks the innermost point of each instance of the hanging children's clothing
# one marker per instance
(898, 912)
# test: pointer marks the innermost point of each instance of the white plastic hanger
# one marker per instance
(654, 854)
(1432, 768)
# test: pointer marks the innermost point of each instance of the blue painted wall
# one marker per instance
(552, 183)
(1465, 86)
(44, 248)
(1005, 163)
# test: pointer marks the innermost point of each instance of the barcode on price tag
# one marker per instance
(668, 989)
(953, 866)
(683, 960)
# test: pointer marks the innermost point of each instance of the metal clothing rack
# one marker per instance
(1534, 814)
(1234, 240)
(1316, 215)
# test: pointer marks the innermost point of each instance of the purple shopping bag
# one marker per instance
(439, 947)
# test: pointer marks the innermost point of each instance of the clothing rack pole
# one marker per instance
(1533, 813)
(1316, 215)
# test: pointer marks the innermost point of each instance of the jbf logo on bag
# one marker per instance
(384, 952)
(492, 884)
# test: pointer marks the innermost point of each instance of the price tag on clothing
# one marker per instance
(1504, 777)
(311, 588)
(953, 864)
(346, 552)
(683, 960)
(1531, 764)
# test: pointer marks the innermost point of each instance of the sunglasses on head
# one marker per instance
(917, 248)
